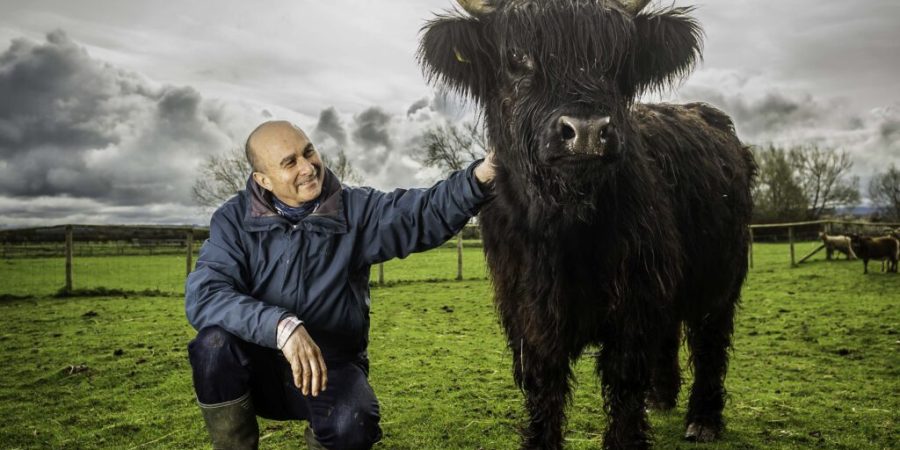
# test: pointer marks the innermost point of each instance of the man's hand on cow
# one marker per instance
(484, 173)
(307, 363)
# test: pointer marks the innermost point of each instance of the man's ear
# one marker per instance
(262, 180)
(454, 52)
(667, 45)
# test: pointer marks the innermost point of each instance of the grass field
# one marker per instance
(816, 362)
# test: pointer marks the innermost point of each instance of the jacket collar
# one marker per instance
(329, 217)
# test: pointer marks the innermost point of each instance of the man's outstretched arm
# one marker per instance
(401, 222)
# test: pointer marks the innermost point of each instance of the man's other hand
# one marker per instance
(307, 364)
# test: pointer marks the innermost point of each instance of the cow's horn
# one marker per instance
(634, 6)
(475, 7)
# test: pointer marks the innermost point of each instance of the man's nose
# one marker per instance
(306, 167)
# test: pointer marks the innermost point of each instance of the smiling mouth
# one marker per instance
(311, 179)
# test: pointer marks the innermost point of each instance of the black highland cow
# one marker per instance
(614, 222)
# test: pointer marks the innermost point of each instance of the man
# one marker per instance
(286, 267)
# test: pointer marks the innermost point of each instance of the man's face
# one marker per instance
(290, 166)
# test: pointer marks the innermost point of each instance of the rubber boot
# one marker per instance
(311, 441)
(232, 424)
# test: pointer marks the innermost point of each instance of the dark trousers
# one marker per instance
(345, 416)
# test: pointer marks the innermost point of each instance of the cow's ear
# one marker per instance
(454, 52)
(667, 45)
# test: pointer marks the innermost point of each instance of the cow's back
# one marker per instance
(708, 173)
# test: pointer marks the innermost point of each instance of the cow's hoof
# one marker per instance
(697, 432)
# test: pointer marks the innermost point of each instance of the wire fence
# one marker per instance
(804, 240)
(97, 260)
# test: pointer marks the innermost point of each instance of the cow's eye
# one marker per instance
(520, 61)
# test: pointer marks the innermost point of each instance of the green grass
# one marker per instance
(815, 365)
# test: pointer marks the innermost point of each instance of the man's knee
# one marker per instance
(214, 350)
(219, 366)
(350, 428)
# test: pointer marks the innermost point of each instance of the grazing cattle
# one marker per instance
(839, 243)
(883, 248)
(613, 222)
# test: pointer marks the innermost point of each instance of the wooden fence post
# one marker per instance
(751, 246)
(189, 243)
(791, 240)
(380, 274)
(69, 248)
(459, 257)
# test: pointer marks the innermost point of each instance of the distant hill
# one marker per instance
(859, 211)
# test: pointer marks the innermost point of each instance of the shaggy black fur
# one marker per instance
(619, 247)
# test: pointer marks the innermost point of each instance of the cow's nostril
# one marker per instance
(567, 132)
(605, 132)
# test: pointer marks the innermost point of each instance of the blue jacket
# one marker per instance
(257, 266)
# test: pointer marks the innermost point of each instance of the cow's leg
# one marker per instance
(666, 374)
(624, 368)
(542, 372)
(709, 337)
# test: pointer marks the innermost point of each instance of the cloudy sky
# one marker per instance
(108, 107)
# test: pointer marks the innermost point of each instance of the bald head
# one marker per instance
(268, 133)
(285, 162)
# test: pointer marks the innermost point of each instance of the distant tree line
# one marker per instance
(884, 191)
(802, 183)
(811, 182)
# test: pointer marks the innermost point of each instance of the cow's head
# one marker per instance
(556, 78)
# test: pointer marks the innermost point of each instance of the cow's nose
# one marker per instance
(584, 135)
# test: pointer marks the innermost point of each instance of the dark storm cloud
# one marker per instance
(418, 105)
(890, 130)
(178, 104)
(330, 125)
(444, 104)
(776, 111)
(75, 127)
(372, 128)
(50, 97)
(790, 118)
(764, 113)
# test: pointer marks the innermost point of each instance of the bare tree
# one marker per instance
(224, 175)
(777, 195)
(221, 177)
(884, 191)
(449, 147)
(823, 174)
(342, 168)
